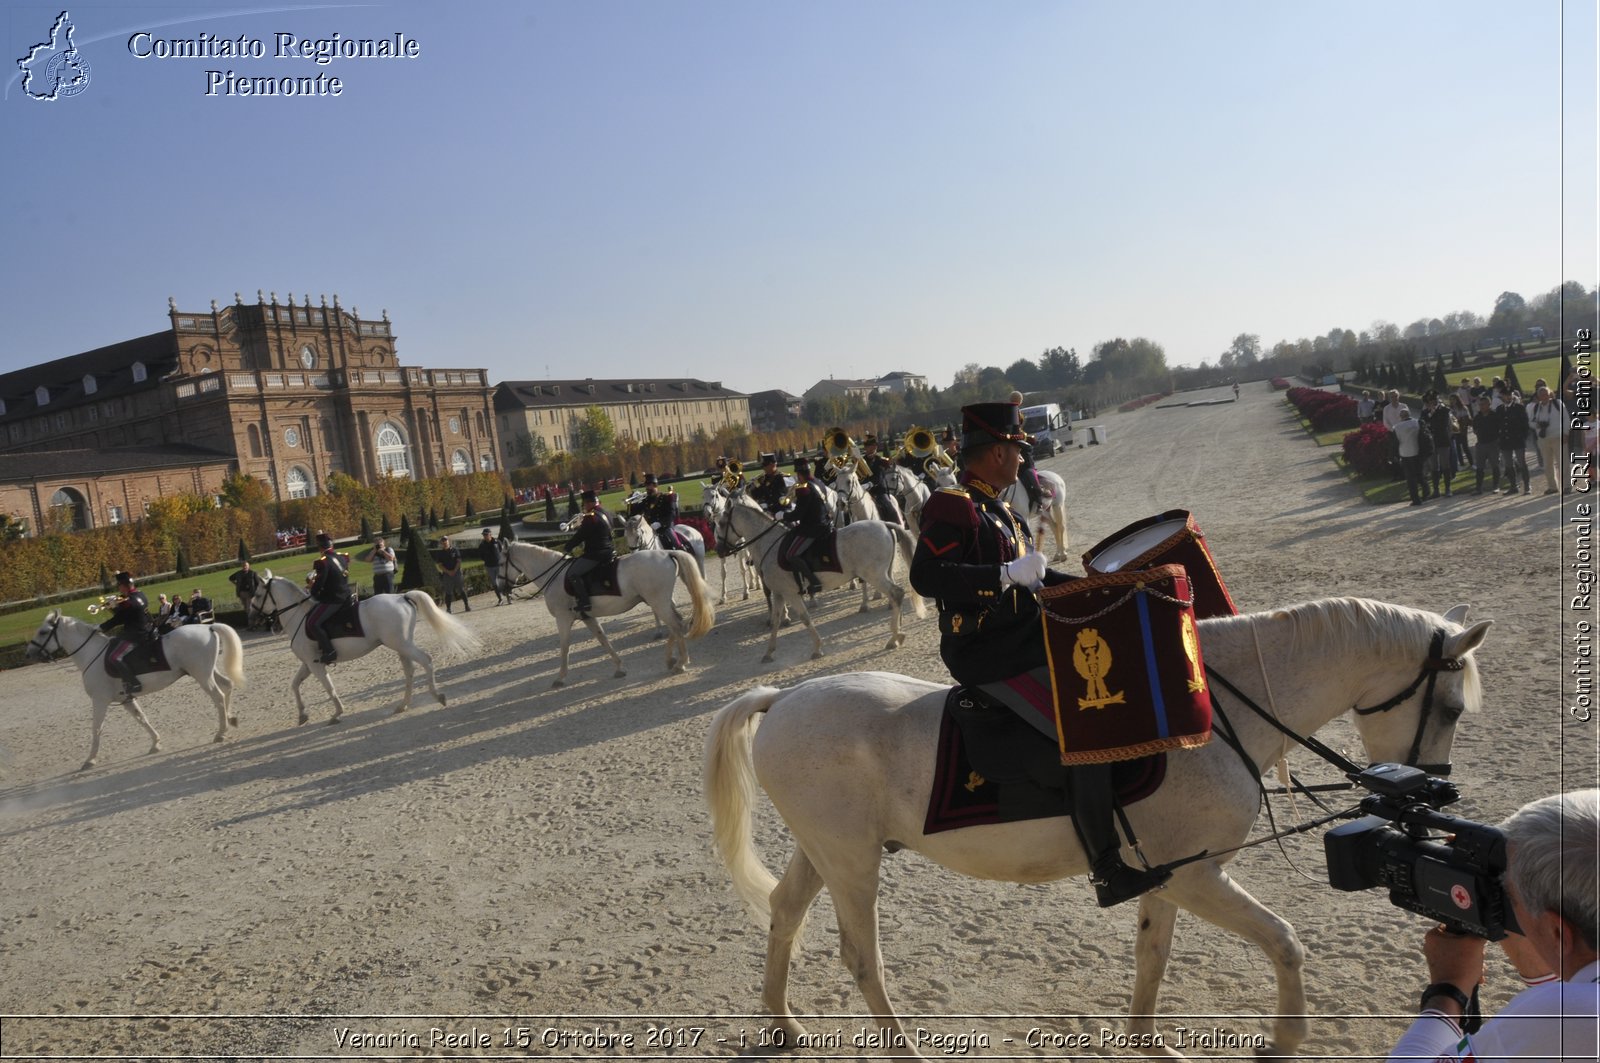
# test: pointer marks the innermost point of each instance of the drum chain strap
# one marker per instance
(1118, 604)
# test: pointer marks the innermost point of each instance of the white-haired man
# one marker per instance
(1553, 880)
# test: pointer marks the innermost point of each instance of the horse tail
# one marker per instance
(730, 788)
(908, 546)
(454, 636)
(232, 663)
(704, 613)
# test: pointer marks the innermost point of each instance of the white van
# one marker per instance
(1050, 428)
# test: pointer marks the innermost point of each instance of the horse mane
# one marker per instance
(1340, 625)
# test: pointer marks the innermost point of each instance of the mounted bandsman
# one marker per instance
(593, 537)
(330, 587)
(976, 557)
(131, 616)
(808, 522)
(770, 488)
(660, 509)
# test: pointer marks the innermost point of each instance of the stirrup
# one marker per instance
(1116, 883)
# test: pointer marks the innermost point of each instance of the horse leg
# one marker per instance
(97, 720)
(294, 688)
(1207, 891)
(896, 598)
(408, 663)
(1152, 947)
(321, 672)
(132, 705)
(790, 901)
(853, 885)
(722, 563)
(677, 639)
(600, 633)
(220, 700)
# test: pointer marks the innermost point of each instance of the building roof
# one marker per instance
(111, 366)
(773, 396)
(900, 374)
(530, 394)
(27, 466)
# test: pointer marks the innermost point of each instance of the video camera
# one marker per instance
(1455, 880)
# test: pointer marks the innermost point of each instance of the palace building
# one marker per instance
(652, 410)
(287, 392)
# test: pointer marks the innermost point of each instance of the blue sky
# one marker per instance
(767, 193)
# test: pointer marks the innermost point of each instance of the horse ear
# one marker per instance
(54, 615)
(266, 574)
(1468, 640)
(1457, 614)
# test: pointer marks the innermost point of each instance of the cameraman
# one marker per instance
(1552, 846)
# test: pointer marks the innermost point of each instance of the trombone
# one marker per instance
(106, 601)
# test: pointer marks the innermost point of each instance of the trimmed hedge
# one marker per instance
(1326, 410)
(1368, 449)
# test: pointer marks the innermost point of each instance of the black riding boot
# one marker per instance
(130, 682)
(325, 644)
(1114, 881)
(803, 572)
(580, 597)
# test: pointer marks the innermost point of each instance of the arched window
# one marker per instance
(394, 458)
(138, 372)
(70, 504)
(89, 384)
(459, 463)
(41, 395)
(253, 435)
(299, 482)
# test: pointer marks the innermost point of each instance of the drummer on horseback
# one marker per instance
(331, 587)
(130, 613)
(661, 511)
(976, 556)
(594, 536)
(808, 522)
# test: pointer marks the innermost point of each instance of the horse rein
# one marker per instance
(61, 649)
(510, 563)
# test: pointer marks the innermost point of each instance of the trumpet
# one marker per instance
(106, 602)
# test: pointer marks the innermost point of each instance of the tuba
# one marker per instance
(841, 450)
(922, 446)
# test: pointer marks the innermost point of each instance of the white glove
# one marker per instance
(656, 524)
(1026, 571)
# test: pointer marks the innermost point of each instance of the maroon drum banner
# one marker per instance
(1125, 665)
(1170, 538)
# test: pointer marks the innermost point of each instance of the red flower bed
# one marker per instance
(1367, 450)
(1279, 384)
(1326, 410)
(1134, 404)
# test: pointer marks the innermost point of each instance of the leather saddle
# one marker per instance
(599, 580)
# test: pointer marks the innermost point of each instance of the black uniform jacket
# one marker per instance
(769, 490)
(330, 584)
(594, 535)
(131, 615)
(662, 509)
(986, 634)
(1513, 425)
(809, 517)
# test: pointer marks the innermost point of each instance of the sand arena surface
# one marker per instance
(527, 853)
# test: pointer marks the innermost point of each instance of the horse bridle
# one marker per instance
(727, 519)
(1432, 665)
(509, 563)
(61, 648)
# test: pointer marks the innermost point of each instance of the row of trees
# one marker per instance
(196, 530)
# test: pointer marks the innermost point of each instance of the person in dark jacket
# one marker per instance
(808, 521)
(1486, 452)
(975, 557)
(245, 584)
(329, 587)
(489, 550)
(131, 617)
(1514, 431)
(594, 537)
(1436, 415)
(660, 509)
(769, 490)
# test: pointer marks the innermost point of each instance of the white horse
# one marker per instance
(387, 619)
(647, 576)
(1052, 510)
(848, 762)
(850, 500)
(639, 535)
(212, 653)
(912, 493)
(712, 505)
(865, 550)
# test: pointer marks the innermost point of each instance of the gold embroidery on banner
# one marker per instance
(974, 780)
(1092, 659)
(955, 624)
(1191, 650)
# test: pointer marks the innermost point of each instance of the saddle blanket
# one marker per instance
(990, 766)
(823, 555)
(144, 658)
(601, 580)
(344, 619)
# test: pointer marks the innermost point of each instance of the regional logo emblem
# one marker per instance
(55, 69)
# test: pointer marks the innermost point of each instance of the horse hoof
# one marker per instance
(216, 740)
(233, 721)
(767, 659)
(816, 655)
(87, 765)
(618, 674)
(559, 683)
(334, 722)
